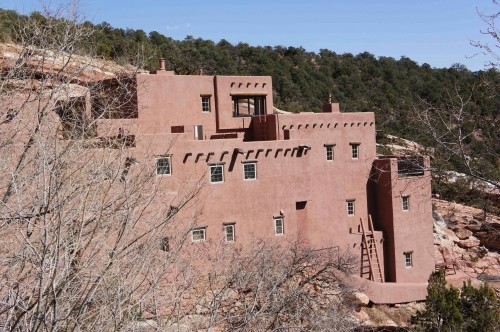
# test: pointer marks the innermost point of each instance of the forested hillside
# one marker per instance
(395, 89)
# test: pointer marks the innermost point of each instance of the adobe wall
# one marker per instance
(406, 231)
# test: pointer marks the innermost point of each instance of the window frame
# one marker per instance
(262, 105)
(408, 259)
(199, 229)
(351, 207)
(329, 152)
(206, 104)
(166, 157)
(211, 173)
(282, 226)
(233, 227)
(405, 203)
(251, 163)
(355, 150)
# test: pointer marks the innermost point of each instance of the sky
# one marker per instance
(437, 32)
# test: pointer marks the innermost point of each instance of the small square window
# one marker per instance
(229, 232)
(329, 152)
(350, 208)
(198, 234)
(406, 203)
(205, 104)
(250, 171)
(217, 173)
(163, 165)
(355, 151)
(279, 226)
(408, 259)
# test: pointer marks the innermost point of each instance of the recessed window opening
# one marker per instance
(406, 203)
(248, 105)
(408, 259)
(229, 232)
(329, 152)
(250, 171)
(205, 104)
(198, 234)
(216, 173)
(163, 166)
(279, 226)
(355, 150)
(350, 208)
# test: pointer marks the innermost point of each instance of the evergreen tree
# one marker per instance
(442, 307)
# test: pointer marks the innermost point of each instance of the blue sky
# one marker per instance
(436, 32)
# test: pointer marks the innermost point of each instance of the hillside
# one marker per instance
(396, 90)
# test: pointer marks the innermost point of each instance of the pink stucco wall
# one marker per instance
(294, 178)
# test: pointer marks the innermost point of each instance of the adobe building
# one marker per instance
(268, 174)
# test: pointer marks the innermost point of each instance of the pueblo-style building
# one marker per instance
(267, 173)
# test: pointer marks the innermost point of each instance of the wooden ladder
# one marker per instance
(369, 254)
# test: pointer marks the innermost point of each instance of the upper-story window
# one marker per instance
(250, 170)
(279, 226)
(248, 105)
(329, 152)
(355, 150)
(229, 232)
(350, 207)
(163, 165)
(408, 259)
(216, 173)
(406, 203)
(205, 104)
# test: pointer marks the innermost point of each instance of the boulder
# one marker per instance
(471, 242)
(463, 234)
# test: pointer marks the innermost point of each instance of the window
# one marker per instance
(279, 227)
(164, 244)
(350, 208)
(408, 259)
(198, 234)
(355, 150)
(406, 203)
(248, 105)
(229, 232)
(250, 171)
(163, 165)
(205, 104)
(329, 152)
(410, 166)
(216, 173)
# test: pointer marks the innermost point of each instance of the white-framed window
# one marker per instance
(163, 165)
(229, 232)
(250, 171)
(329, 152)
(216, 173)
(408, 259)
(198, 234)
(165, 244)
(351, 207)
(279, 226)
(406, 203)
(355, 150)
(205, 104)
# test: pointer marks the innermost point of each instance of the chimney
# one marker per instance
(330, 107)
(162, 64)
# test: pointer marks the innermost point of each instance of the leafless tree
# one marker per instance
(80, 237)
(90, 240)
(492, 32)
(462, 133)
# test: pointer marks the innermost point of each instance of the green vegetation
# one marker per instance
(395, 90)
(450, 309)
